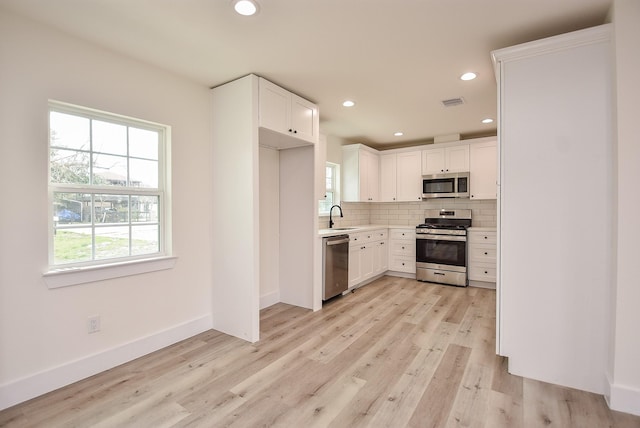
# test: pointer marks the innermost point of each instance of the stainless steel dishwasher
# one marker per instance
(335, 257)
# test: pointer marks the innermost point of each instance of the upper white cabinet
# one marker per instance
(388, 178)
(445, 159)
(409, 176)
(401, 177)
(287, 114)
(360, 174)
(483, 170)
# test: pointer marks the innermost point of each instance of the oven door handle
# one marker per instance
(442, 237)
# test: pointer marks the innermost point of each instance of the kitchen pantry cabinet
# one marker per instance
(368, 255)
(554, 293)
(445, 160)
(483, 170)
(401, 177)
(402, 250)
(238, 155)
(287, 113)
(482, 256)
(360, 174)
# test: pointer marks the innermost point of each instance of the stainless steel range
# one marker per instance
(441, 247)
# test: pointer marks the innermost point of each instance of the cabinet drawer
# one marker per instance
(482, 272)
(357, 238)
(482, 237)
(379, 234)
(403, 234)
(403, 248)
(368, 236)
(485, 253)
(402, 264)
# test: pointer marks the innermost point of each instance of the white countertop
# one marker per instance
(482, 229)
(361, 228)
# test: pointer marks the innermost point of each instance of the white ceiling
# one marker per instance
(396, 58)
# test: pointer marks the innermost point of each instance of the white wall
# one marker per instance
(43, 334)
(625, 371)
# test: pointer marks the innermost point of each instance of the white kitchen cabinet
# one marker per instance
(445, 159)
(287, 113)
(483, 170)
(402, 250)
(368, 255)
(557, 151)
(360, 174)
(401, 177)
(409, 176)
(380, 251)
(388, 178)
(287, 178)
(482, 256)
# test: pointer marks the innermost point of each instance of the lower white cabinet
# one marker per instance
(482, 255)
(368, 255)
(402, 250)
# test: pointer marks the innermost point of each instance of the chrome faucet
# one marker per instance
(331, 218)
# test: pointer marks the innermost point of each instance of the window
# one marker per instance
(332, 192)
(106, 188)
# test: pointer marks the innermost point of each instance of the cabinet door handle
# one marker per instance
(485, 253)
(290, 130)
(486, 272)
(486, 237)
(295, 131)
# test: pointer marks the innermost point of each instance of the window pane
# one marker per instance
(109, 138)
(112, 242)
(144, 208)
(144, 240)
(69, 166)
(109, 170)
(329, 198)
(72, 245)
(71, 208)
(143, 143)
(111, 208)
(68, 131)
(144, 173)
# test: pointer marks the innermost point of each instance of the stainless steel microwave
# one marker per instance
(453, 185)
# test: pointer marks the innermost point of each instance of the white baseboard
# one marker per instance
(34, 385)
(269, 299)
(624, 399)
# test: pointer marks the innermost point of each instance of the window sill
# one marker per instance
(58, 278)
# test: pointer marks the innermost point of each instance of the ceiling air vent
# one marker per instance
(452, 102)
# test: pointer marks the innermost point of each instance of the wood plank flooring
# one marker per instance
(395, 353)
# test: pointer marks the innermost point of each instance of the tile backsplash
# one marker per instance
(483, 213)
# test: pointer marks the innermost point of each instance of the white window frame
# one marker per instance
(335, 190)
(60, 275)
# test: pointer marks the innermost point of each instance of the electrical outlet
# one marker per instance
(93, 324)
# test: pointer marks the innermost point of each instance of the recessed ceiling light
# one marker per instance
(245, 7)
(468, 76)
(398, 134)
(348, 103)
(487, 120)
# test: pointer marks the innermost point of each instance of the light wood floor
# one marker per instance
(395, 353)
